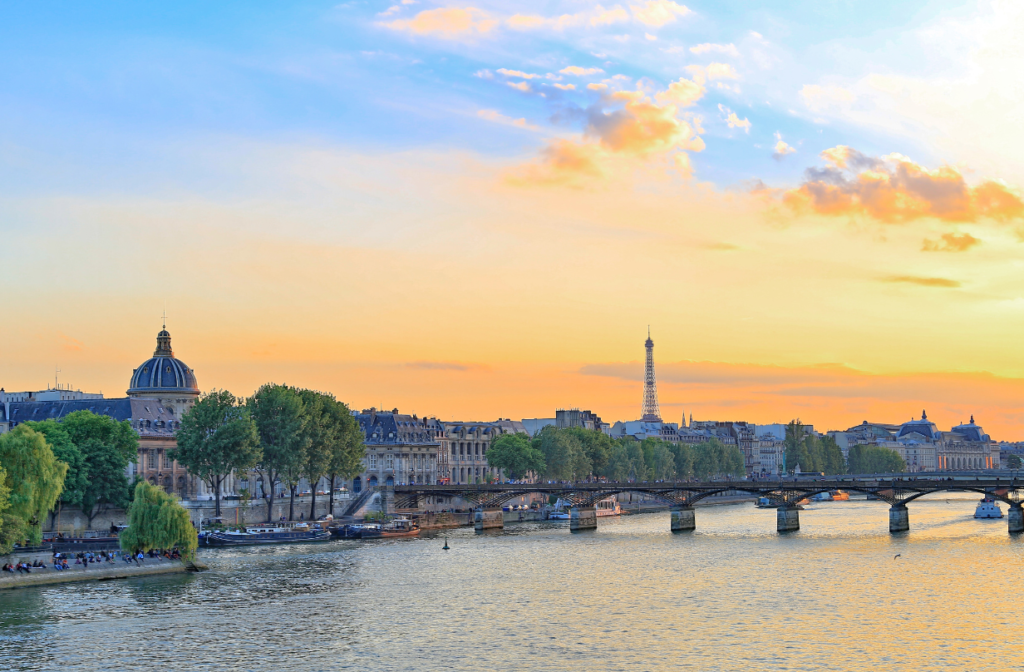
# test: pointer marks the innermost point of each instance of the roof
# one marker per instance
(23, 411)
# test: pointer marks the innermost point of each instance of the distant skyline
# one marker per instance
(474, 210)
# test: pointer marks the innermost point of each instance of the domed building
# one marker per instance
(162, 388)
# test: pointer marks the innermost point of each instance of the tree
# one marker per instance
(34, 477)
(82, 425)
(661, 464)
(277, 412)
(320, 436)
(564, 455)
(348, 450)
(64, 449)
(217, 436)
(12, 528)
(515, 455)
(107, 484)
(714, 458)
(875, 460)
(683, 454)
(157, 520)
(1013, 461)
(596, 446)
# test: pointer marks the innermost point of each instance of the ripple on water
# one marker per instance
(734, 595)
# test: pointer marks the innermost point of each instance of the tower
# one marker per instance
(651, 413)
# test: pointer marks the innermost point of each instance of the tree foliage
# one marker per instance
(34, 478)
(12, 528)
(626, 462)
(661, 463)
(332, 441)
(157, 520)
(107, 484)
(64, 449)
(217, 436)
(515, 455)
(812, 453)
(348, 450)
(713, 458)
(84, 425)
(1013, 461)
(875, 460)
(565, 457)
(277, 412)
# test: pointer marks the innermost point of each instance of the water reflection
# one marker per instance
(732, 595)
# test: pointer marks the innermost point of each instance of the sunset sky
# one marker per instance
(475, 210)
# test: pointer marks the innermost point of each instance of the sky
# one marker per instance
(476, 210)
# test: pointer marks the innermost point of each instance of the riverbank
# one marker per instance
(75, 573)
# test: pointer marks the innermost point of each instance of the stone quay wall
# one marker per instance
(73, 522)
(117, 570)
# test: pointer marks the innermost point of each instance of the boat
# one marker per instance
(765, 503)
(558, 515)
(840, 496)
(400, 527)
(262, 535)
(608, 507)
(822, 497)
(988, 508)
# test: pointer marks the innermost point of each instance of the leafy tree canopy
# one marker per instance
(34, 477)
(875, 460)
(515, 455)
(107, 484)
(157, 520)
(217, 436)
(278, 413)
(64, 449)
(83, 425)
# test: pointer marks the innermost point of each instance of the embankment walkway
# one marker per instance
(121, 570)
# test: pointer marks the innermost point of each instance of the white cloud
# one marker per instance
(819, 98)
(782, 148)
(712, 71)
(580, 72)
(682, 92)
(393, 9)
(657, 13)
(517, 73)
(652, 38)
(499, 118)
(733, 120)
(565, 87)
(710, 48)
(597, 87)
(521, 86)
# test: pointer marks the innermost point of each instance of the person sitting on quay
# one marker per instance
(8, 567)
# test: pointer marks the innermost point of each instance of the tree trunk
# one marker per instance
(216, 495)
(330, 507)
(269, 496)
(291, 502)
(312, 504)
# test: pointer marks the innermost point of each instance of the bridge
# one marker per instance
(783, 494)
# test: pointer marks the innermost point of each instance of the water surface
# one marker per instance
(734, 595)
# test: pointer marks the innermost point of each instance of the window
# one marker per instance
(373, 460)
(389, 461)
(167, 461)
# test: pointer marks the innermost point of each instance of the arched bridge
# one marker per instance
(783, 494)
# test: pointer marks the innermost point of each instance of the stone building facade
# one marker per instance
(400, 449)
(468, 443)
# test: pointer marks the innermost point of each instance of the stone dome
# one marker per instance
(163, 373)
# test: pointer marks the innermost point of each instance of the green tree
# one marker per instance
(683, 455)
(277, 411)
(217, 437)
(661, 463)
(12, 528)
(1013, 461)
(515, 455)
(107, 485)
(875, 460)
(157, 520)
(83, 425)
(34, 477)
(564, 455)
(596, 446)
(832, 456)
(348, 449)
(321, 433)
(714, 458)
(64, 449)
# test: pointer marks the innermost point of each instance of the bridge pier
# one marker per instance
(1015, 518)
(899, 518)
(582, 518)
(488, 520)
(788, 517)
(683, 519)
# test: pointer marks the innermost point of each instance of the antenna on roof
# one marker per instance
(56, 377)
(164, 316)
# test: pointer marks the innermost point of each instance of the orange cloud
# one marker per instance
(682, 92)
(950, 242)
(895, 189)
(659, 12)
(446, 22)
(642, 127)
(924, 282)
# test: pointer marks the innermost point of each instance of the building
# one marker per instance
(400, 449)
(650, 411)
(574, 417)
(468, 443)
(161, 389)
(532, 426)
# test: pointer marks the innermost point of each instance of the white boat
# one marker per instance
(558, 515)
(988, 508)
(822, 497)
(608, 507)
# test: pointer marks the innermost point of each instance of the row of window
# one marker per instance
(417, 461)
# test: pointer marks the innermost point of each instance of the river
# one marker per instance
(734, 595)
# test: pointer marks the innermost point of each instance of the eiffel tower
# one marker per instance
(651, 413)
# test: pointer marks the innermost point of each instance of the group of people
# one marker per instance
(23, 567)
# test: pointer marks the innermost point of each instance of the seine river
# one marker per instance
(734, 595)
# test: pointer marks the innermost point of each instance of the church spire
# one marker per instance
(163, 344)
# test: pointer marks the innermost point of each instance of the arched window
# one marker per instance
(357, 485)
(372, 481)
(390, 482)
